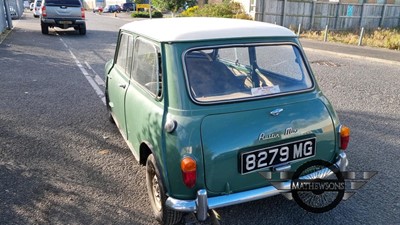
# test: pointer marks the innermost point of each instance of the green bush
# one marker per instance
(190, 11)
(141, 14)
(226, 9)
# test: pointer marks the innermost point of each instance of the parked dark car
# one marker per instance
(112, 8)
(127, 7)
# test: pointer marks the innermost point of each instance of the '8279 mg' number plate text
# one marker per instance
(275, 155)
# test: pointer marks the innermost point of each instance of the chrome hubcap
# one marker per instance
(156, 193)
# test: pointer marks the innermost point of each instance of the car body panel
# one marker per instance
(249, 130)
(63, 10)
(118, 85)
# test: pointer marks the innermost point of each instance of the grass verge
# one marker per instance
(382, 38)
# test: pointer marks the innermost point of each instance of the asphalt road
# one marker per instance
(62, 162)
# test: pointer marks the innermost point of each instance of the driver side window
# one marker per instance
(124, 58)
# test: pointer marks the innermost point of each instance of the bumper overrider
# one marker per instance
(202, 203)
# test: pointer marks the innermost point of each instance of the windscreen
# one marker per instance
(71, 3)
(245, 72)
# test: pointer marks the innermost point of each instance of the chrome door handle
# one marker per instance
(122, 86)
(276, 112)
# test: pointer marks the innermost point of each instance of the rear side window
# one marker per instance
(245, 72)
(147, 67)
(71, 3)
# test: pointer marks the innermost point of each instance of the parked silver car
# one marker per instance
(63, 14)
(36, 8)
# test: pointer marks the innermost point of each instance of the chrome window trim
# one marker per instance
(157, 49)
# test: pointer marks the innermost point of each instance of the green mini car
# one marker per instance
(207, 104)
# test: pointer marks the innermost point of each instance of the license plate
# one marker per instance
(65, 22)
(275, 155)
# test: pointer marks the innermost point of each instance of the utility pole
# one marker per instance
(150, 9)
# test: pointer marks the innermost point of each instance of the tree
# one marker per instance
(172, 5)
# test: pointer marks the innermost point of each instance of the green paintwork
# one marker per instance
(214, 134)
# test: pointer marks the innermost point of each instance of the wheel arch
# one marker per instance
(145, 150)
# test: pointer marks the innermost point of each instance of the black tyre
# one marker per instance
(156, 192)
(110, 118)
(45, 28)
(82, 29)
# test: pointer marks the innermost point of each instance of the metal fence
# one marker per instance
(338, 16)
(3, 22)
(5, 17)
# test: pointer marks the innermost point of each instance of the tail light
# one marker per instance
(188, 167)
(344, 137)
(83, 13)
(44, 13)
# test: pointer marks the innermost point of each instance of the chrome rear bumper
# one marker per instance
(202, 203)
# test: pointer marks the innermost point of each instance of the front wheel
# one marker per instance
(156, 192)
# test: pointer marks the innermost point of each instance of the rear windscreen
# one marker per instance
(73, 3)
(245, 72)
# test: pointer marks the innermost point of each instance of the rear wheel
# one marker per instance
(45, 28)
(156, 192)
(82, 29)
(110, 118)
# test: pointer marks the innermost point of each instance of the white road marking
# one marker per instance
(92, 82)
(97, 78)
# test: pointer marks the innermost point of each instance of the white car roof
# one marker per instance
(204, 28)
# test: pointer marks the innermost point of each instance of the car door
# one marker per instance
(118, 80)
(143, 105)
